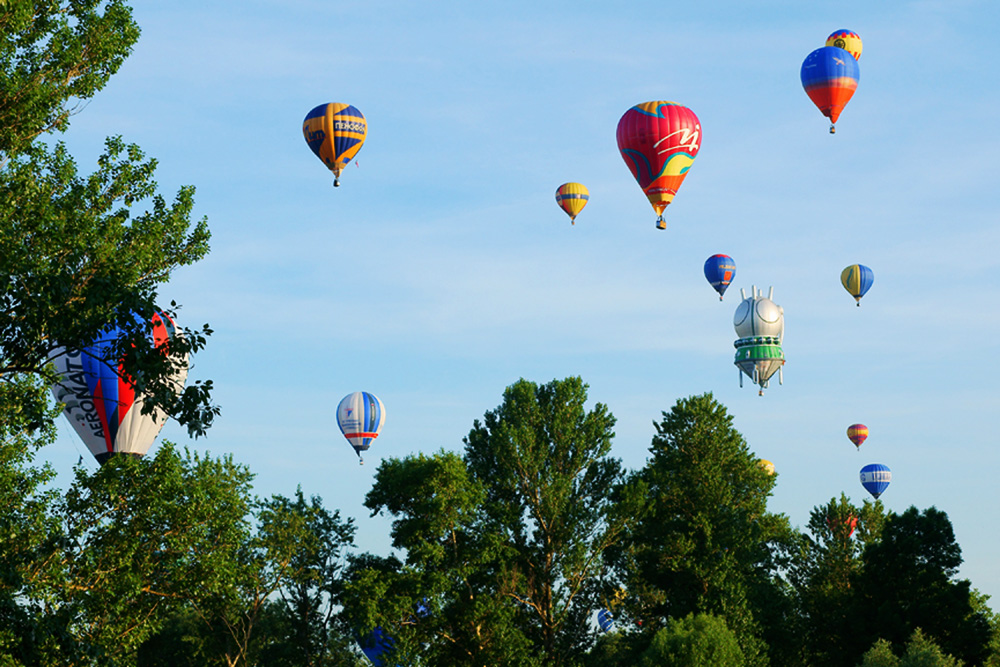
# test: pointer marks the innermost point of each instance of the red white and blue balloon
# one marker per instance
(100, 400)
(360, 416)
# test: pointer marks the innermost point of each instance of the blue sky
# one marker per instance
(442, 270)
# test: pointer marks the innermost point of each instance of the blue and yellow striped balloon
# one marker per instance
(572, 197)
(335, 132)
(857, 279)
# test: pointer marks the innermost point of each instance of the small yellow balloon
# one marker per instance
(572, 197)
(846, 40)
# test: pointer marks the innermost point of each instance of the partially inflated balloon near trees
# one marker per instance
(659, 142)
(100, 400)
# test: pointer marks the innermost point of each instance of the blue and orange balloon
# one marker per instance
(875, 477)
(572, 197)
(830, 76)
(100, 400)
(659, 142)
(857, 279)
(335, 132)
(720, 271)
(848, 40)
(360, 416)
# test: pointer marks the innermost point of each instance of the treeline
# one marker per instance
(509, 549)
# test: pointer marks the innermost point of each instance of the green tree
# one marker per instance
(697, 640)
(137, 539)
(705, 543)
(504, 546)
(27, 528)
(298, 625)
(920, 651)
(55, 54)
(908, 582)
(824, 576)
(880, 655)
(278, 602)
(74, 257)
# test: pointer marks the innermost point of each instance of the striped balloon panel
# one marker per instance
(848, 40)
(571, 198)
(857, 433)
(100, 400)
(605, 620)
(360, 416)
(830, 76)
(659, 142)
(335, 132)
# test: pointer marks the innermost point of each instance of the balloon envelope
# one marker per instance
(848, 40)
(335, 132)
(857, 433)
(720, 271)
(100, 399)
(875, 477)
(605, 620)
(572, 197)
(376, 646)
(360, 416)
(830, 76)
(857, 279)
(659, 142)
(766, 466)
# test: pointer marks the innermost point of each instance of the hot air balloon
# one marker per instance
(572, 197)
(376, 646)
(838, 526)
(847, 40)
(605, 620)
(875, 477)
(720, 271)
(100, 400)
(360, 416)
(760, 325)
(857, 279)
(830, 77)
(857, 433)
(335, 132)
(659, 142)
(766, 466)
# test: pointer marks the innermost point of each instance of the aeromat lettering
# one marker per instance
(348, 126)
(75, 394)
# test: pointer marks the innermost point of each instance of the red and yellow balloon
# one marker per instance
(848, 40)
(659, 142)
